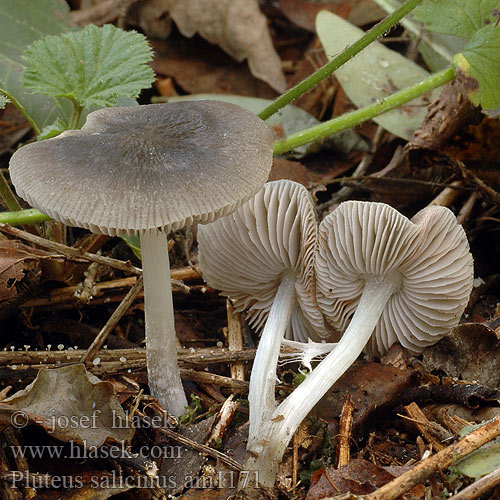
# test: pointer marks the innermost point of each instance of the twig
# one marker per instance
(235, 340)
(204, 377)
(487, 190)
(20, 460)
(344, 192)
(230, 462)
(345, 432)
(67, 294)
(467, 207)
(112, 321)
(432, 431)
(439, 461)
(226, 414)
(447, 196)
(70, 252)
(396, 180)
(199, 357)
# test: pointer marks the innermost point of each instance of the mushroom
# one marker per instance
(407, 280)
(262, 258)
(147, 170)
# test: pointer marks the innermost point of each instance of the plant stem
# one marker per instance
(354, 118)
(22, 109)
(261, 395)
(370, 36)
(290, 413)
(8, 198)
(75, 116)
(30, 216)
(161, 350)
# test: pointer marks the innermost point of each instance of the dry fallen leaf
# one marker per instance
(14, 256)
(71, 404)
(470, 353)
(238, 27)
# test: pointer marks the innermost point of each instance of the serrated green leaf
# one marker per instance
(436, 49)
(480, 61)
(3, 101)
(461, 18)
(21, 23)
(92, 67)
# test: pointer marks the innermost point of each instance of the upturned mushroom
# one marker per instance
(407, 280)
(262, 258)
(147, 170)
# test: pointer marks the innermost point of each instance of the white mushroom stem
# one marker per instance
(261, 394)
(285, 420)
(161, 350)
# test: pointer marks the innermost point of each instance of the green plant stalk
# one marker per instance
(10, 201)
(75, 115)
(361, 115)
(370, 36)
(20, 218)
(22, 109)
(8, 198)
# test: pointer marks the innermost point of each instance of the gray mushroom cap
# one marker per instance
(247, 253)
(428, 257)
(138, 168)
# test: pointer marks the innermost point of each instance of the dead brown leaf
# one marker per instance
(14, 258)
(188, 463)
(295, 171)
(198, 68)
(303, 13)
(471, 353)
(358, 476)
(238, 27)
(372, 386)
(359, 12)
(71, 404)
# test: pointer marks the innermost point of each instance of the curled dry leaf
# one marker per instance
(14, 257)
(238, 27)
(71, 404)
(471, 353)
(358, 476)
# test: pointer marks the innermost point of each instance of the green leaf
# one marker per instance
(21, 23)
(134, 242)
(92, 67)
(480, 62)
(3, 101)
(481, 461)
(373, 74)
(461, 18)
(52, 130)
(437, 49)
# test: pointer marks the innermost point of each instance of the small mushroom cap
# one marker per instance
(247, 253)
(157, 166)
(428, 257)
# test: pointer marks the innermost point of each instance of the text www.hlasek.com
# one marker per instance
(73, 450)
